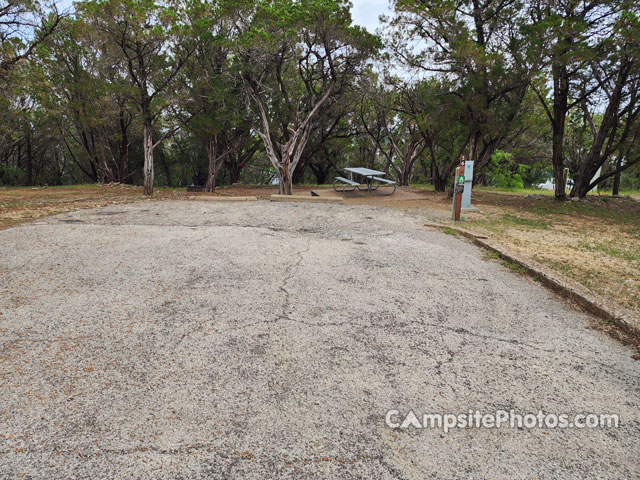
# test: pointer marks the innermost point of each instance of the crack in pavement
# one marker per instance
(288, 274)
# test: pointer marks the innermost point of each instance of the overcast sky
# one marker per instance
(366, 12)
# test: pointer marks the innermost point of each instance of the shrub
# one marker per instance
(10, 175)
(504, 172)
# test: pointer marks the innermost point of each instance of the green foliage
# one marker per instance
(504, 173)
(195, 70)
(10, 175)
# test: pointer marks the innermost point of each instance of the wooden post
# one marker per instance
(458, 189)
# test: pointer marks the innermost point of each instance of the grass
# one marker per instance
(514, 267)
(520, 191)
(631, 193)
(611, 250)
(595, 242)
(450, 231)
(511, 219)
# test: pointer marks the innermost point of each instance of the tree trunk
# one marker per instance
(321, 172)
(608, 126)
(616, 179)
(404, 177)
(29, 159)
(234, 170)
(148, 156)
(213, 170)
(560, 106)
(298, 173)
(285, 181)
(123, 159)
(439, 183)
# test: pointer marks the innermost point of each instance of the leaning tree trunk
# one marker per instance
(148, 157)
(608, 125)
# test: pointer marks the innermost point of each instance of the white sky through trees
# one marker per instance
(366, 12)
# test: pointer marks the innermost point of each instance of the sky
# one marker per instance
(366, 12)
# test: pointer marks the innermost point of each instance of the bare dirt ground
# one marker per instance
(25, 204)
(258, 340)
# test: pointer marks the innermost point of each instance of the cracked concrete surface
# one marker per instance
(268, 340)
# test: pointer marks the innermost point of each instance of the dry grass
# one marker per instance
(595, 242)
(24, 204)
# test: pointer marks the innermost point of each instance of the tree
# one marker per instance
(617, 77)
(154, 40)
(400, 139)
(79, 77)
(296, 55)
(577, 30)
(24, 24)
(220, 119)
(487, 52)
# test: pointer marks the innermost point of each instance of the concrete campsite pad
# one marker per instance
(401, 194)
(269, 340)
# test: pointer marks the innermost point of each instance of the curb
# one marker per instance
(215, 198)
(461, 231)
(302, 198)
(591, 302)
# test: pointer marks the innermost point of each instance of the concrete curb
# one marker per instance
(215, 198)
(461, 231)
(302, 198)
(590, 301)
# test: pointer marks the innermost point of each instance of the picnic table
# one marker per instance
(372, 179)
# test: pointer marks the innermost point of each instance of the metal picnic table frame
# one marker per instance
(370, 176)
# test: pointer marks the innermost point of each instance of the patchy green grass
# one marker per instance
(611, 250)
(611, 210)
(514, 267)
(423, 187)
(631, 193)
(511, 219)
(450, 231)
(519, 191)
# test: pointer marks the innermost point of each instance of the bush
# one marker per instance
(534, 174)
(504, 172)
(10, 175)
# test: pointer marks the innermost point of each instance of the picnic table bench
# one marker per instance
(372, 179)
